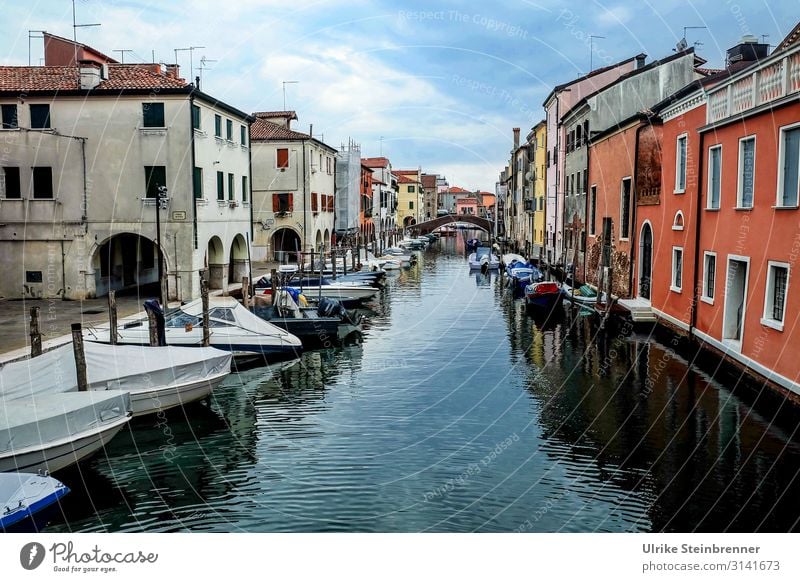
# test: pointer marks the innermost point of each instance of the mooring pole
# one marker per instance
(36, 335)
(112, 318)
(80, 356)
(246, 292)
(206, 322)
(274, 280)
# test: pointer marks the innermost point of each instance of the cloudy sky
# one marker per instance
(436, 84)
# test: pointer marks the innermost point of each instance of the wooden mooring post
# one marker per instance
(112, 318)
(246, 292)
(273, 277)
(333, 261)
(80, 356)
(36, 334)
(206, 323)
(153, 325)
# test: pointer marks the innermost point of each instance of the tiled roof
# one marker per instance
(429, 180)
(375, 162)
(120, 77)
(790, 39)
(458, 190)
(261, 129)
(404, 179)
(405, 172)
(276, 114)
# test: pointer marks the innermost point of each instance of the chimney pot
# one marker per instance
(516, 137)
(90, 74)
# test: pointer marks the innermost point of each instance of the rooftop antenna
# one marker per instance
(591, 49)
(284, 91)
(122, 54)
(682, 43)
(32, 34)
(380, 141)
(76, 26)
(191, 50)
(203, 67)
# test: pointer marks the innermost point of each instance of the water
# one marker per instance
(457, 413)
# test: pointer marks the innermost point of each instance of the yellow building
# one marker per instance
(539, 186)
(410, 197)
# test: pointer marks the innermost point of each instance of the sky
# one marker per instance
(437, 84)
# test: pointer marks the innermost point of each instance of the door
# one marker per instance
(646, 264)
(735, 298)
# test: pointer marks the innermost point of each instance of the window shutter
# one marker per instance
(314, 202)
(276, 203)
(291, 201)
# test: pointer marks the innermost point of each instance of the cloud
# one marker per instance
(614, 16)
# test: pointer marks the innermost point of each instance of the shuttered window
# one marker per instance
(220, 186)
(791, 162)
(282, 158)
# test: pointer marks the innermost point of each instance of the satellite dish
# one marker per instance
(682, 45)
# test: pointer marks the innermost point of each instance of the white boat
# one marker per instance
(53, 431)
(25, 500)
(232, 329)
(157, 378)
(483, 258)
(345, 291)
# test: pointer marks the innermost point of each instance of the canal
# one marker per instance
(457, 412)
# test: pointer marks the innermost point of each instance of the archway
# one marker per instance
(326, 239)
(408, 221)
(126, 262)
(215, 263)
(285, 245)
(318, 241)
(238, 261)
(645, 260)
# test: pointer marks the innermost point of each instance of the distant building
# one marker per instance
(367, 208)
(538, 206)
(348, 193)
(410, 197)
(429, 196)
(384, 193)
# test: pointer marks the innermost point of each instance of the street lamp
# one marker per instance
(162, 202)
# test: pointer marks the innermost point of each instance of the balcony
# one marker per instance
(774, 79)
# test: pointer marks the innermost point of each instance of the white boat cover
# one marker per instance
(244, 318)
(34, 420)
(131, 368)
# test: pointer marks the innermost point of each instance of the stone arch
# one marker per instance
(126, 261)
(318, 241)
(286, 245)
(645, 260)
(677, 222)
(215, 265)
(238, 261)
(326, 239)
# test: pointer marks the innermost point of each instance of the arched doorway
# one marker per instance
(645, 261)
(408, 221)
(238, 262)
(215, 263)
(318, 241)
(126, 262)
(326, 238)
(285, 245)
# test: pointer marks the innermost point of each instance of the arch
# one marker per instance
(645, 259)
(215, 263)
(318, 240)
(431, 225)
(286, 245)
(239, 261)
(677, 222)
(408, 221)
(126, 261)
(326, 239)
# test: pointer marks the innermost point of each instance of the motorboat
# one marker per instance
(313, 325)
(49, 432)
(157, 378)
(584, 295)
(472, 244)
(543, 296)
(483, 259)
(232, 328)
(413, 244)
(27, 500)
(344, 291)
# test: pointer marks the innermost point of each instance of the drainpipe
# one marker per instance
(585, 213)
(698, 214)
(634, 203)
(305, 176)
(85, 213)
(63, 271)
(194, 186)
(251, 238)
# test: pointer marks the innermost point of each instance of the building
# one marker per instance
(560, 100)
(467, 205)
(430, 196)
(384, 192)
(486, 203)
(442, 189)
(349, 187)
(367, 226)
(621, 147)
(293, 189)
(410, 197)
(89, 144)
(539, 166)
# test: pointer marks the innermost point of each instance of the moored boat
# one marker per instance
(483, 259)
(544, 296)
(27, 500)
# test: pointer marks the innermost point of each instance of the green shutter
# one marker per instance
(198, 182)
(220, 186)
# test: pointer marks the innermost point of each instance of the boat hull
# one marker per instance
(543, 301)
(161, 399)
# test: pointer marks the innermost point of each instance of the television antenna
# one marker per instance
(122, 54)
(191, 50)
(284, 91)
(591, 48)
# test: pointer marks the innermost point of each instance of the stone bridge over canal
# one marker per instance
(430, 225)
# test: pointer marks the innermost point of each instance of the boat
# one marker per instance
(472, 244)
(27, 500)
(414, 244)
(343, 291)
(483, 259)
(584, 295)
(233, 329)
(52, 431)
(157, 378)
(313, 325)
(543, 296)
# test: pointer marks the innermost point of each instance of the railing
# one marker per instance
(778, 77)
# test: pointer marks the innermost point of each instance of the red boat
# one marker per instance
(543, 296)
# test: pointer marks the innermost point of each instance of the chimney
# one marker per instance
(197, 82)
(90, 74)
(516, 137)
(747, 51)
(640, 61)
(173, 71)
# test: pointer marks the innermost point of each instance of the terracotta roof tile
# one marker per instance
(120, 77)
(375, 162)
(276, 114)
(261, 130)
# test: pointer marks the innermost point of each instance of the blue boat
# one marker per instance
(472, 245)
(27, 501)
(543, 296)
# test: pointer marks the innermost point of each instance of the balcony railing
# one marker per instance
(777, 77)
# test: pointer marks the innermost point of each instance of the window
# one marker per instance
(243, 134)
(244, 188)
(231, 187)
(585, 180)
(789, 161)
(412, 189)
(593, 210)
(198, 182)
(680, 165)
(217, 126)
(196, 117)
(220, 186)
(282, 202)
(714, 177)
(775, 300)
(154, 176)
(9, 116)
(10, 184)
(152, 115)
(677, 269)
(40, 116)
(282, 158)
(747, 168)
(709, 276)
(43, 182)
(229, 129)
(625, 211)
(411, 205)
(314, 202)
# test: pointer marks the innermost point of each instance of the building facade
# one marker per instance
(384, 196)
(539, 188)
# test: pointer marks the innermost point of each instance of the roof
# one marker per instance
(263, 130)
(459, 190)
(376, 181)
(405, 172)
(120, 78)
(404, 179)
(375, 162)
(790, 39)
(429, 180)
(363, 167)
(591, 74)
(276, 115)
(48, 37)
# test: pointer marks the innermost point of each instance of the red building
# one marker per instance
(367, 227)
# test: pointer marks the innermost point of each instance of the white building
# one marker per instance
(384, 196)
(293, 189)
(86, 147)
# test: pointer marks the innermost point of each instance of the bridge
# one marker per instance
(430, 225)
